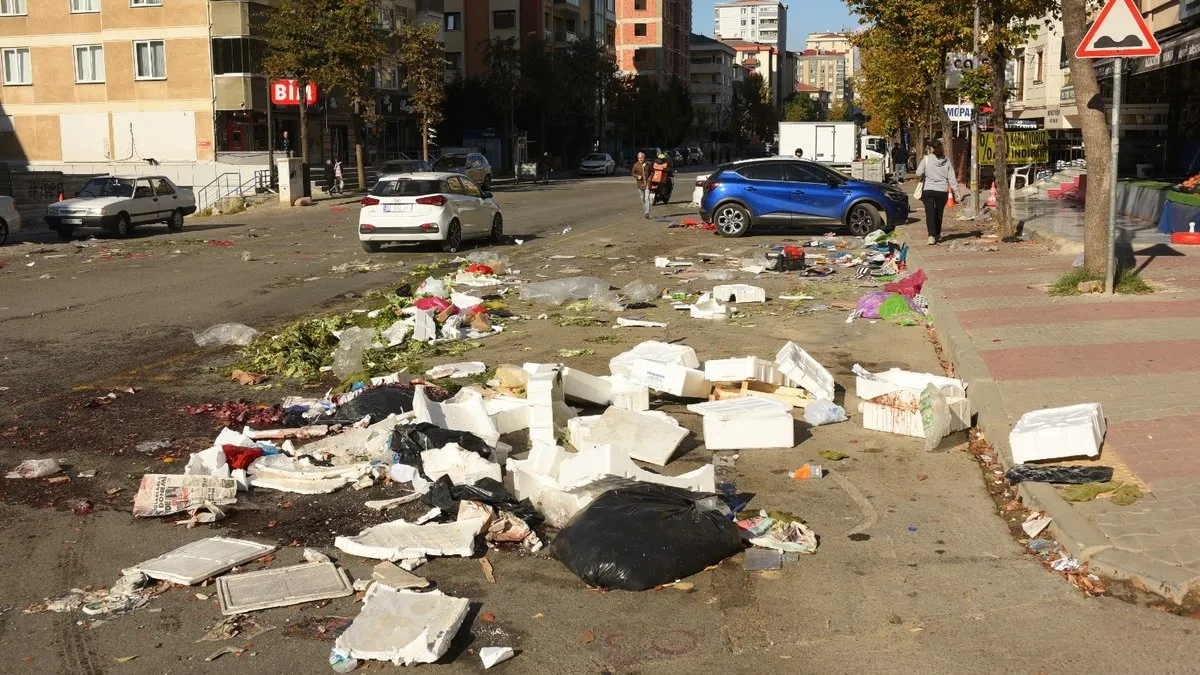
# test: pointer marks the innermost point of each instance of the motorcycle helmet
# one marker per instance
(662, 155)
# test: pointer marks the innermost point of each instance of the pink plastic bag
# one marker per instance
(868, 305)
(909, 286)
(432, 302)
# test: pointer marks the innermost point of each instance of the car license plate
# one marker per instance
(72, 221)
(397, 208)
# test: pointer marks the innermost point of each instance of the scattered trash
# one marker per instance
(778, 531)
(490, 656)
(244, 378)
(400, 540)
(192, 563)
(456, 370)
(708, 308)
(744, 423)
(642, 536)
(164, 494)
(35, 468)
(823, 411)
(833, 455)
(638, 292)
(404, 627)
(1126, 494)
(808, 471)
(1057, 433)
(639, 323)
(759, 559)
(1035, 523)
(739, 293)
(488, 570)
(235, 334)
(1059, 474)
(559, 291)
(572, 353)
(1088, 491)
(388, 574)
(281, 587)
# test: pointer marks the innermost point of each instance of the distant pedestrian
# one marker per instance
(641, 174)
(899, 162)
(937, 182)
(338, 181)
(544, 168)
(799, 153)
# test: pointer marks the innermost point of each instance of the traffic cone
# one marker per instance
(60, 196)
(992, 195)
(950, 200)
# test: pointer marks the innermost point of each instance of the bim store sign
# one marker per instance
(1024, 147)
(287, 92)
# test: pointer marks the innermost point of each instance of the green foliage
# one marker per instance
(647, 115)
(757, 119)
(891, 85)
(1127, 282)
(801, 108)
(976, 85)
(422, 57)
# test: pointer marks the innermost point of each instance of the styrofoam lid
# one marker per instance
(752, 407)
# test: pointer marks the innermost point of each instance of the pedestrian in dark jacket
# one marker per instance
(641, 173)
(899, 162)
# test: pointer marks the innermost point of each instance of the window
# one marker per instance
(161, 187)
(89, 64)
(504, 19)
(12, 7)
(799, 173)
(639, 5)
(639, 30)
(237, 56)
(83, 6)
(470, 189)
(712, 98)
(145, 3)
(387, 18)
(454, 60)
(17, 67)
(454, 187)
(453, 20)
(150, 60)
(763, 171)
(389, 78)
(143, 189)
(1038, 66)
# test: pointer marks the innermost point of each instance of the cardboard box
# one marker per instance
(746, 423)
(1058, 433)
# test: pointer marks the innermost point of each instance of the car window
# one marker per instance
(596, 158)
(762, 171)
(161, 187)
(454, 186)
(449, 162)
(801, 173)
(471, 189)
(143, 190)
(405, 187)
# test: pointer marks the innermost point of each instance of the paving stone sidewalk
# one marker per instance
(1139, 356)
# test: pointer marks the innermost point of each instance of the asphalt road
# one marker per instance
(936, 585)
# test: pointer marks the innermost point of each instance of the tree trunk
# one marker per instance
(425, 140)
(303, 127)
(1004, 219)
(934, 88)
(358, 157)
(1096, 140)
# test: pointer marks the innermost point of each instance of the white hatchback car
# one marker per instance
(10, 219)
(427, 206)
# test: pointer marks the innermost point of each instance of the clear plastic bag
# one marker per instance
(348, 357)
(824, 411)
(432, 286)
(558, 291)
(237, 334)
(639, 291)
(606, 301)
(497, 262)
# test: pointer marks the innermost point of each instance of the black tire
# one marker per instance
(175, 222)
(65, 232)
(862, 219)
(732, 220)
(123, 226)
(487, 182)
(3, 232)
(497, 235)
(453, 240)
(371, 246)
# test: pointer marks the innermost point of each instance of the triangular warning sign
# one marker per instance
(1119, 30)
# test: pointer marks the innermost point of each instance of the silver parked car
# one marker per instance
(598, 164)
(473, 165)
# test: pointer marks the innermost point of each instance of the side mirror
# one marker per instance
(486, 195)
(833, 182)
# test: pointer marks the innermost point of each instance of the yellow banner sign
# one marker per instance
(1024, 147)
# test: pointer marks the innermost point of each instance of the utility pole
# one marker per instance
(1110, 270)
(975, 125)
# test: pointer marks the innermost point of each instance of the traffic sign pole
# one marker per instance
(1110, 272)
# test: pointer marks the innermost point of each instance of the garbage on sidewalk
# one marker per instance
(193, 563)
(402, 626)
(921, 405)
(1058, 433)
(638, 537)
(236, 334)
(1058, 474)
(746, 423)
(280, 587)
(778, 531)
(164, 494)
(823, 411)
(401, 540)
(35, 468)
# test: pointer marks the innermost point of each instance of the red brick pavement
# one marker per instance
(1064, 361)
(1159, 449)
(1074, 313)
(992, 291)
(998, 270)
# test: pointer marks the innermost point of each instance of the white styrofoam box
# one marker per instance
(639, 435)
(583, 386)
(804, 371)
(741, 370)
(708, 308)
(464, 411)
(739, 293)
(629, 396)
(746, 422)
(661, 352)
(906, 421)
(670, 378)
(545, 459)
(870, 385)
(585, 467)
(1057, 433)
(579, 431)
(508, 413)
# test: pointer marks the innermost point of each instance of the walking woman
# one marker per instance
(937, 182)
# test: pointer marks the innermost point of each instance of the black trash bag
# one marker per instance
(1076, 475)
(410, 440)
(378, 402)
(445, 495)
(645, 535)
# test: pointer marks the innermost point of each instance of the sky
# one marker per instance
(804, 17)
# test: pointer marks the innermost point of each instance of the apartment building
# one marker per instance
(763, 59)
(652, 38)
(471, 24)
(835, 43)
(824, 70)
(712, 78)
(166, 86)
(757, 21)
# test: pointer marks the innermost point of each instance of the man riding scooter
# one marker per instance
(662, 179)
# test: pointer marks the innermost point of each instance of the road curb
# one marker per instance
(1078, 536)
(1055, 242)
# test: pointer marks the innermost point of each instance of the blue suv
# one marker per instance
(796, 192)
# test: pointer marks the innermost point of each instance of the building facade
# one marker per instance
(835, 43)
(824, 70)
(760, 22)
(712, 78)
(652, 38)
(763, 59)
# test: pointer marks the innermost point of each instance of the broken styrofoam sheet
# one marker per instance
(464, 301)
(545, 459)
(389, 574)
(708, 308)
(870, 385)
(357, 444)
(639, 435)
(627, 395)
(192, 563)
(308, 582)
(556, 503)
(385, 504)
(456, 370)
(1058, 433)
(464, 411)
(639, 323)
(400, 540)
(404, 627)
(804, 371)
(662, 352)
(739, 293)
(667, 262)
(491, 656)
(508, 413)
(288, 474)
(747, 422)
(462, 466)
(580, 468)
(670, 378)
(210, 462)
(585, 387)
(743, 369)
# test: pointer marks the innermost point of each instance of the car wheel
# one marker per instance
(487, 182)
(371, 246)
(453, 238)
(65, 232)
(732, 220)
(497, 229)
(123, 226)
(3, 232)
(175, 224)
(863, 219)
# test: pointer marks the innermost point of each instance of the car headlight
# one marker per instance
(94, 212)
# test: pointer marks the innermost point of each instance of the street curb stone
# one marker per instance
(1078, 536)
(1054, 242)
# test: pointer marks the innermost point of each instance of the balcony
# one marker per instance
(566, 7)
(565, 36)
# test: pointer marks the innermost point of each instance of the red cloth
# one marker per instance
(476, 268)
(432, 302)
(909, 286)
(239, 457)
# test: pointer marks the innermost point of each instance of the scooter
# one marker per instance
(662, 192)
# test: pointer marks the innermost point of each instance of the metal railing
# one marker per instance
(230, 184)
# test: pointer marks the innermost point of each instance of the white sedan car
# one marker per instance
(117, 204)
(10, 220)
(427, 206)
(598, 164)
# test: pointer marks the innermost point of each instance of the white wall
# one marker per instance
(186, 174)
(85, 137)
(163, 136)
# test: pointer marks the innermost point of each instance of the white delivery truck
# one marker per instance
(836, 144)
